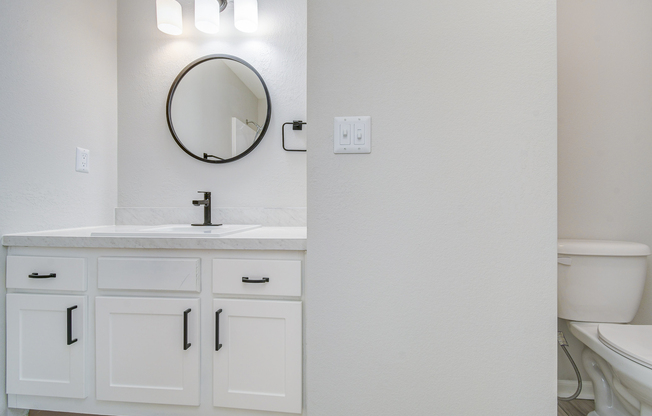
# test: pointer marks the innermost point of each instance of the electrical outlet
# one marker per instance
(81, 162)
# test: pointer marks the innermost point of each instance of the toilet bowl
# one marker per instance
(621, 386)
(600, 286)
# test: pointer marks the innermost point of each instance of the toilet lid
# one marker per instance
(631, 341)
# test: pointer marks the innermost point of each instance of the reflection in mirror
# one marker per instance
(218, 109)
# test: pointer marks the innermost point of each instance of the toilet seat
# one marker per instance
(631, 341)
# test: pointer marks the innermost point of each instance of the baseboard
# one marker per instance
(565, 388)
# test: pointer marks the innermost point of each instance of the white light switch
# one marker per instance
(352, 134)
(359, 134)
(345, 134)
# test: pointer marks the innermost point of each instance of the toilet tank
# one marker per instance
(600, 281)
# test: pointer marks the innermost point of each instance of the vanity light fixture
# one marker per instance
(207, 15)
(245, 15)
(168, 17)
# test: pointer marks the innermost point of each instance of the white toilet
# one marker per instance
(600, 285)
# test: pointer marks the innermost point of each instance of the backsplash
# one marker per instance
(271, 217)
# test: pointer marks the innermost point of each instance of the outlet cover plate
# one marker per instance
(81, 161)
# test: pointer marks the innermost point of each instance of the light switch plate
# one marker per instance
(352, 134)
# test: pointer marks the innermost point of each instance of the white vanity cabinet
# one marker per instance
(46, 333)
(257, 357)
(46, 345)
(147, 350)
(257, 351)
(46, 273)
(147, 331)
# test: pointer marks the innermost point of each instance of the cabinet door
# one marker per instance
(258, 365)
(147, 350)
(46, 342)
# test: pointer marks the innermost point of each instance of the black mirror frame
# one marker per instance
(168, 108)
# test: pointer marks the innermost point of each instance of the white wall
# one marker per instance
(153, 171)
(605, 127)
(431, 274)
(58, 90)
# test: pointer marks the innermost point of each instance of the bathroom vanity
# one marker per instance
(102, 321)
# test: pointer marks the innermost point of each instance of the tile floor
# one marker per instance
(572, 408)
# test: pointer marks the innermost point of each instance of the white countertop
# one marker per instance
(262, 238)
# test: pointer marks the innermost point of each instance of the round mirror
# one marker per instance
(218, 109)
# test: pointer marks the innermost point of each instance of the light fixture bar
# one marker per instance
(169, 17)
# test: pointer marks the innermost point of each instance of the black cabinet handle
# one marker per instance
(247, 280)
(42, 276)
(69, 326)
(186, 344)
(217, 330)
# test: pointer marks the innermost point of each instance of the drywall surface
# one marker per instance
(605, 125)
(431, 274)
(58, 75)
(153, 171)
(58, 83)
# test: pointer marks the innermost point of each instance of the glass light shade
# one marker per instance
(168, 17)
(245, 14)
(207, 16)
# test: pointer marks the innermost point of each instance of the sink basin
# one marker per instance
(176, 230)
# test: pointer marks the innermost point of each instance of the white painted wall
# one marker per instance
(153, 171)
(605, 128)
(58, 90)
(431, 274)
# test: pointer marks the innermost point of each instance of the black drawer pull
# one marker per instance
(247, 280)
(186, 344)
(70, 341)
(217, 330)
(42, 276)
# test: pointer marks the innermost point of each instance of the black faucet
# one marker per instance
(206, 202)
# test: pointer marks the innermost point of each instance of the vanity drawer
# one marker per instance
(46, 273)
(148, 273)
(266, 277)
